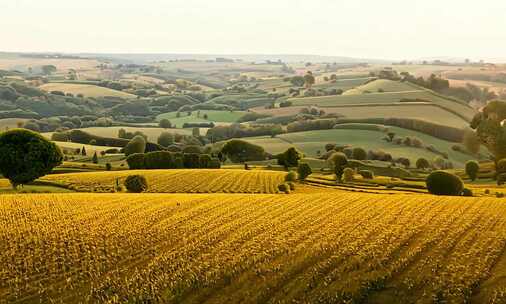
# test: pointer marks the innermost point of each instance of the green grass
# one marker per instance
(311, 141)
(343, 84)
(212, 116)
(382, 84)
(451, 112)
(152, 134)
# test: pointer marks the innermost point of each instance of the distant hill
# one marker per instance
(288, 58)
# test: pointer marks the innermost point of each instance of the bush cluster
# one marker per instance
(171, 160)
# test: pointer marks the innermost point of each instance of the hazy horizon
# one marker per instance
(361, 29)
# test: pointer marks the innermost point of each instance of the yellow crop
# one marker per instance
(178, 181)
(230, 248)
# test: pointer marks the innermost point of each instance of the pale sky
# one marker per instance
(388, 29)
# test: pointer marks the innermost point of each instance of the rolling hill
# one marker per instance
(84, 89)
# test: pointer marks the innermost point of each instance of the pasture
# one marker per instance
(151, 133)
(231, 248)
(198, 116)
(310, 142)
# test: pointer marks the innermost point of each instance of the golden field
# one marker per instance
(177, 180)
(230, 248)
(85, 89)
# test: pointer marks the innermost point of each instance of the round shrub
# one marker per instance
(304, 170)
(136, 145)
(444, 183)
(338, 161)
(291, 176)
(422, 163)
(348, 152)
(467, 192)
(472, 168)
(136, 183)
(367, 174)
(108, 166)
(359, 154)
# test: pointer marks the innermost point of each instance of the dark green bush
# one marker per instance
(204, 160)
(289, 158)
(26, 156)
(240, 151)
(467, 192)
(136, 183)
(136, 161)
(367, 174)
(159, 160)
(214, 164)
(136, 145)
(359, 154)
(108, 166)
(338, 161)
(304, 170)
(422, 163)
(191, 160)
(178, 163)
(472, 168)
(444, 183)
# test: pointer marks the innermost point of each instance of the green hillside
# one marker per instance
(311, 141)
(212, 116)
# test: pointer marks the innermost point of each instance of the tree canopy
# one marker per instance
(27, 156)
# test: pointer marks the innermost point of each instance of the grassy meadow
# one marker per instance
(198, 116)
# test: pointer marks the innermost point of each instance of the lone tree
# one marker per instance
(472, 168)
(422, 163)
(309, 80)
(297, 81)
(165, 139)
(136, 145)
(289, 158)
(490, 126)
(338, 161)
(27, 156)
(95, 158)
(165, 123)
(239, 151)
